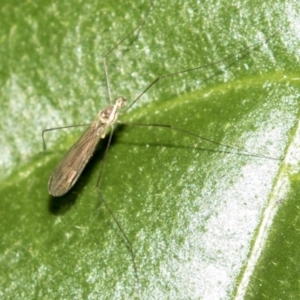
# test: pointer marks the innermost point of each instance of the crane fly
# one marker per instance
(71, 166)
(67, 172)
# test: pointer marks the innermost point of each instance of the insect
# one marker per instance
(71, 166)
(69, 169)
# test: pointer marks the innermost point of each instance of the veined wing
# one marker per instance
(71, 166)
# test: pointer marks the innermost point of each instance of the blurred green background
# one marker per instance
(205, 222)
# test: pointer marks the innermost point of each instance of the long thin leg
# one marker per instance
(119, 43)
(241, 151)
(127, 241)
(242, 52)
(56, 128)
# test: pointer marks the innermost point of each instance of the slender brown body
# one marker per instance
(71, 166)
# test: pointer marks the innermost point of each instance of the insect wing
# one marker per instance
(71, 166)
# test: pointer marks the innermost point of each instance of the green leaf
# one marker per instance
(198, 214)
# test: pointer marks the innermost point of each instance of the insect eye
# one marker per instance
(121, 101)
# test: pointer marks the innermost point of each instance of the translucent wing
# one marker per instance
(71, 166)
(69, 169)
